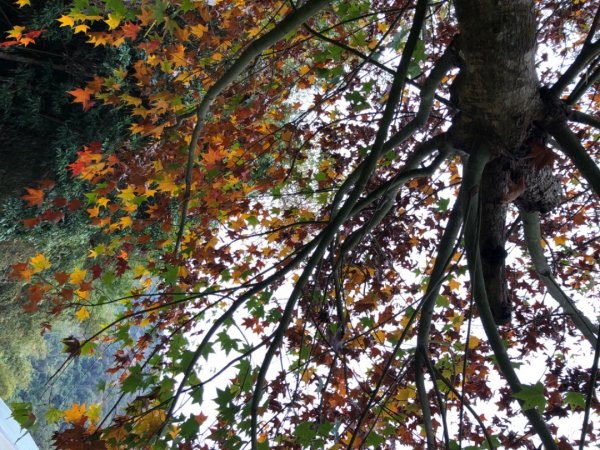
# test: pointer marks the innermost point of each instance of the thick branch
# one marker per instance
(533, 237)
(339, 217)
(444, 256)
(586, 119)
(584, 84)
(471, 182)
(571, 146)
(439, 70)
(588, 52)
(370, 60)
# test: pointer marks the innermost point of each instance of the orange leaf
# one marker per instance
(31, 222)
(82, 96)
(75, 413)
(34, 197)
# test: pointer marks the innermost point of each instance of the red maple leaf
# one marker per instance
(34, 197)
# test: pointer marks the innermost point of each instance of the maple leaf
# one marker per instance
(31, 222)
(75, 413)
(82, 96)
(66, 21)
(39, 262)
(82, 314)
(212, 158)
(82, 28)
(72, 346)
(125, 222)
(130, 30)
(34, 197)
(113, 21)
(77, 276)
(453, 284)
(61, 277)
(93, 412)
(198, 30)
(541, 156)
(16, 32)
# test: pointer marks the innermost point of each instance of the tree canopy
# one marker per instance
(349, 224)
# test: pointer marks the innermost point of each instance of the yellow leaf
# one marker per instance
(81, 29)
(473, 342)
(174, 431)
(22, 3)
(74, 413)
(453, 284)
(16, 32)
(139, 271)
(560, 240)
(130, 100)
(112, 21)
(149, 423)
(93, 412)
(303, 70)
(39, 262)
(217, 56)
(127, 194)
(198, 30)
(82, 314)
(93, 211)
(82, 295)
(66, 21)
(379, 336)
(77, 276)
(125, 222)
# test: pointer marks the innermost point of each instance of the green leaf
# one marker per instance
(442, 302)
(253, 221)
(442, 204)
(305, 433)
(53, 415)
(575, 400)
(419, 55)
(374, 439)
(134, 381)
(189, 428)
(532, 396)
(227, 342)
(23, 414)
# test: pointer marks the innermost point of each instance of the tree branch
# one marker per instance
(472, 179)
(571, 146)
(439, 70)
(590, 394)
(583, 85)
(255, 48)
(533, 237)
(588, 52)
(586, 119)
(444, 256)
(339, 217)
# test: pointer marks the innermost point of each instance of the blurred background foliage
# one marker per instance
(40, 132)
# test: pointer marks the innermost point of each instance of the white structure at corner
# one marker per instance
(12, 436)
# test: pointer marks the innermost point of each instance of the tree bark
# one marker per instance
(497, 92)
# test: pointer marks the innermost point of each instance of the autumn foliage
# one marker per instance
(299, 207)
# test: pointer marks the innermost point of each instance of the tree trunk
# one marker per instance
(498, 94)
